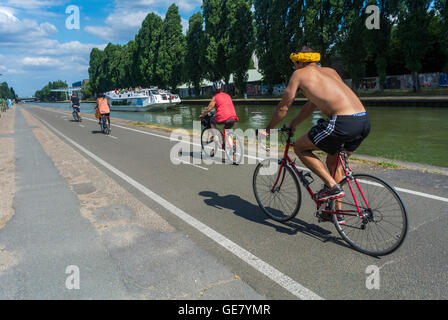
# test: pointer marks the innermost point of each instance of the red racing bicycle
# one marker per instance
(371, 217)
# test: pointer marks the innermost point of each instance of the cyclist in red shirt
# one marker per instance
(225, 110)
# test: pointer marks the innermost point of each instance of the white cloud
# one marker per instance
(14, 30)
(126, 18)
(121, 25)
(40, 62)
(55, 48)
(7, 15)
(33, 4)
(156, 5)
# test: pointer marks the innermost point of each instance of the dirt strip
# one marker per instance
(121, 220)
(7, 167)
(93, 187)
(7, 183)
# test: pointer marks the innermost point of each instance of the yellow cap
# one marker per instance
(305, 57)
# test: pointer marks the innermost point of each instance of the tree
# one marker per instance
(442, 7)
(7, 92)
(131, 72)
(87, 89)
(171, 51)
(216, 39)
(378, 40)
(194, 70)
(413, 34)
(279, 31)
(47, 95)
(114, 66)
(351, 41)
(321, 25)
(147, 45)
(241, 44)
(97, 71)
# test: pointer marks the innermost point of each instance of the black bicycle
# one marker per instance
(76, 114)
(104, 124)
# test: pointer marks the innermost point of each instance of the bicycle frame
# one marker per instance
(223, 135)
(348, 175)
(104, 118)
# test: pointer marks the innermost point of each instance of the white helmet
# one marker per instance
(218, 85)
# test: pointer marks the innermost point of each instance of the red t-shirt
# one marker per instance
(225, 109)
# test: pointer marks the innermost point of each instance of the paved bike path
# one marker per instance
(310, 253)
(48, 236)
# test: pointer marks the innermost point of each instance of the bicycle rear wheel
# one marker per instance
(106, 128)
(385, 225)
(277, 190)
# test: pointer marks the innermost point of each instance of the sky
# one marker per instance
(41, 42)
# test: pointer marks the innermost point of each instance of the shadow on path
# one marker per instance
(253, 213)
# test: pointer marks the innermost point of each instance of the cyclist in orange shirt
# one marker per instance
(103, 106)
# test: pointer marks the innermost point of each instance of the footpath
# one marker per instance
(68, 231)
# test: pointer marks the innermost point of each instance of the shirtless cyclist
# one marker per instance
(345, 128)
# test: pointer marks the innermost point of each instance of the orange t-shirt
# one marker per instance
(103, 105)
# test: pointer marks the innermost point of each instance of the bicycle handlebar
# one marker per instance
(285, 128)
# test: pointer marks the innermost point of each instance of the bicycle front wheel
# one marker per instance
(277, 190)
(234, 148)
(385, 223)
(211, 139)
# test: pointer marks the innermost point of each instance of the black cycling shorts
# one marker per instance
(228, 124)
(340, 133)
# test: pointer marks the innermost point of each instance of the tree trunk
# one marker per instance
(415, 82)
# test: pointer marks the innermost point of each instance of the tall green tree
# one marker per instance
(378, 40)
(263, 43)
(241, 44)
(351, 42)
(279, 31)
(97, 70)
(442, 7)
(216, 39)
(7, 92)
(321, 25)
(194, 68)
(130, 70)
(114, 62)
(45, 94)
(87, 89)
(413, 34)
(148, 43)
(171, 51)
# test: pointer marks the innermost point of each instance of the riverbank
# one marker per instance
(391, 101)
(380, 162)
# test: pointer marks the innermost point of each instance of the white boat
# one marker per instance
(141, 100)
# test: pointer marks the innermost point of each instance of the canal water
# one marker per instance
(413, 134)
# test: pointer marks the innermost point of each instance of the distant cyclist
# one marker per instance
(225, 110)
(103, 106)
(75, 103)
